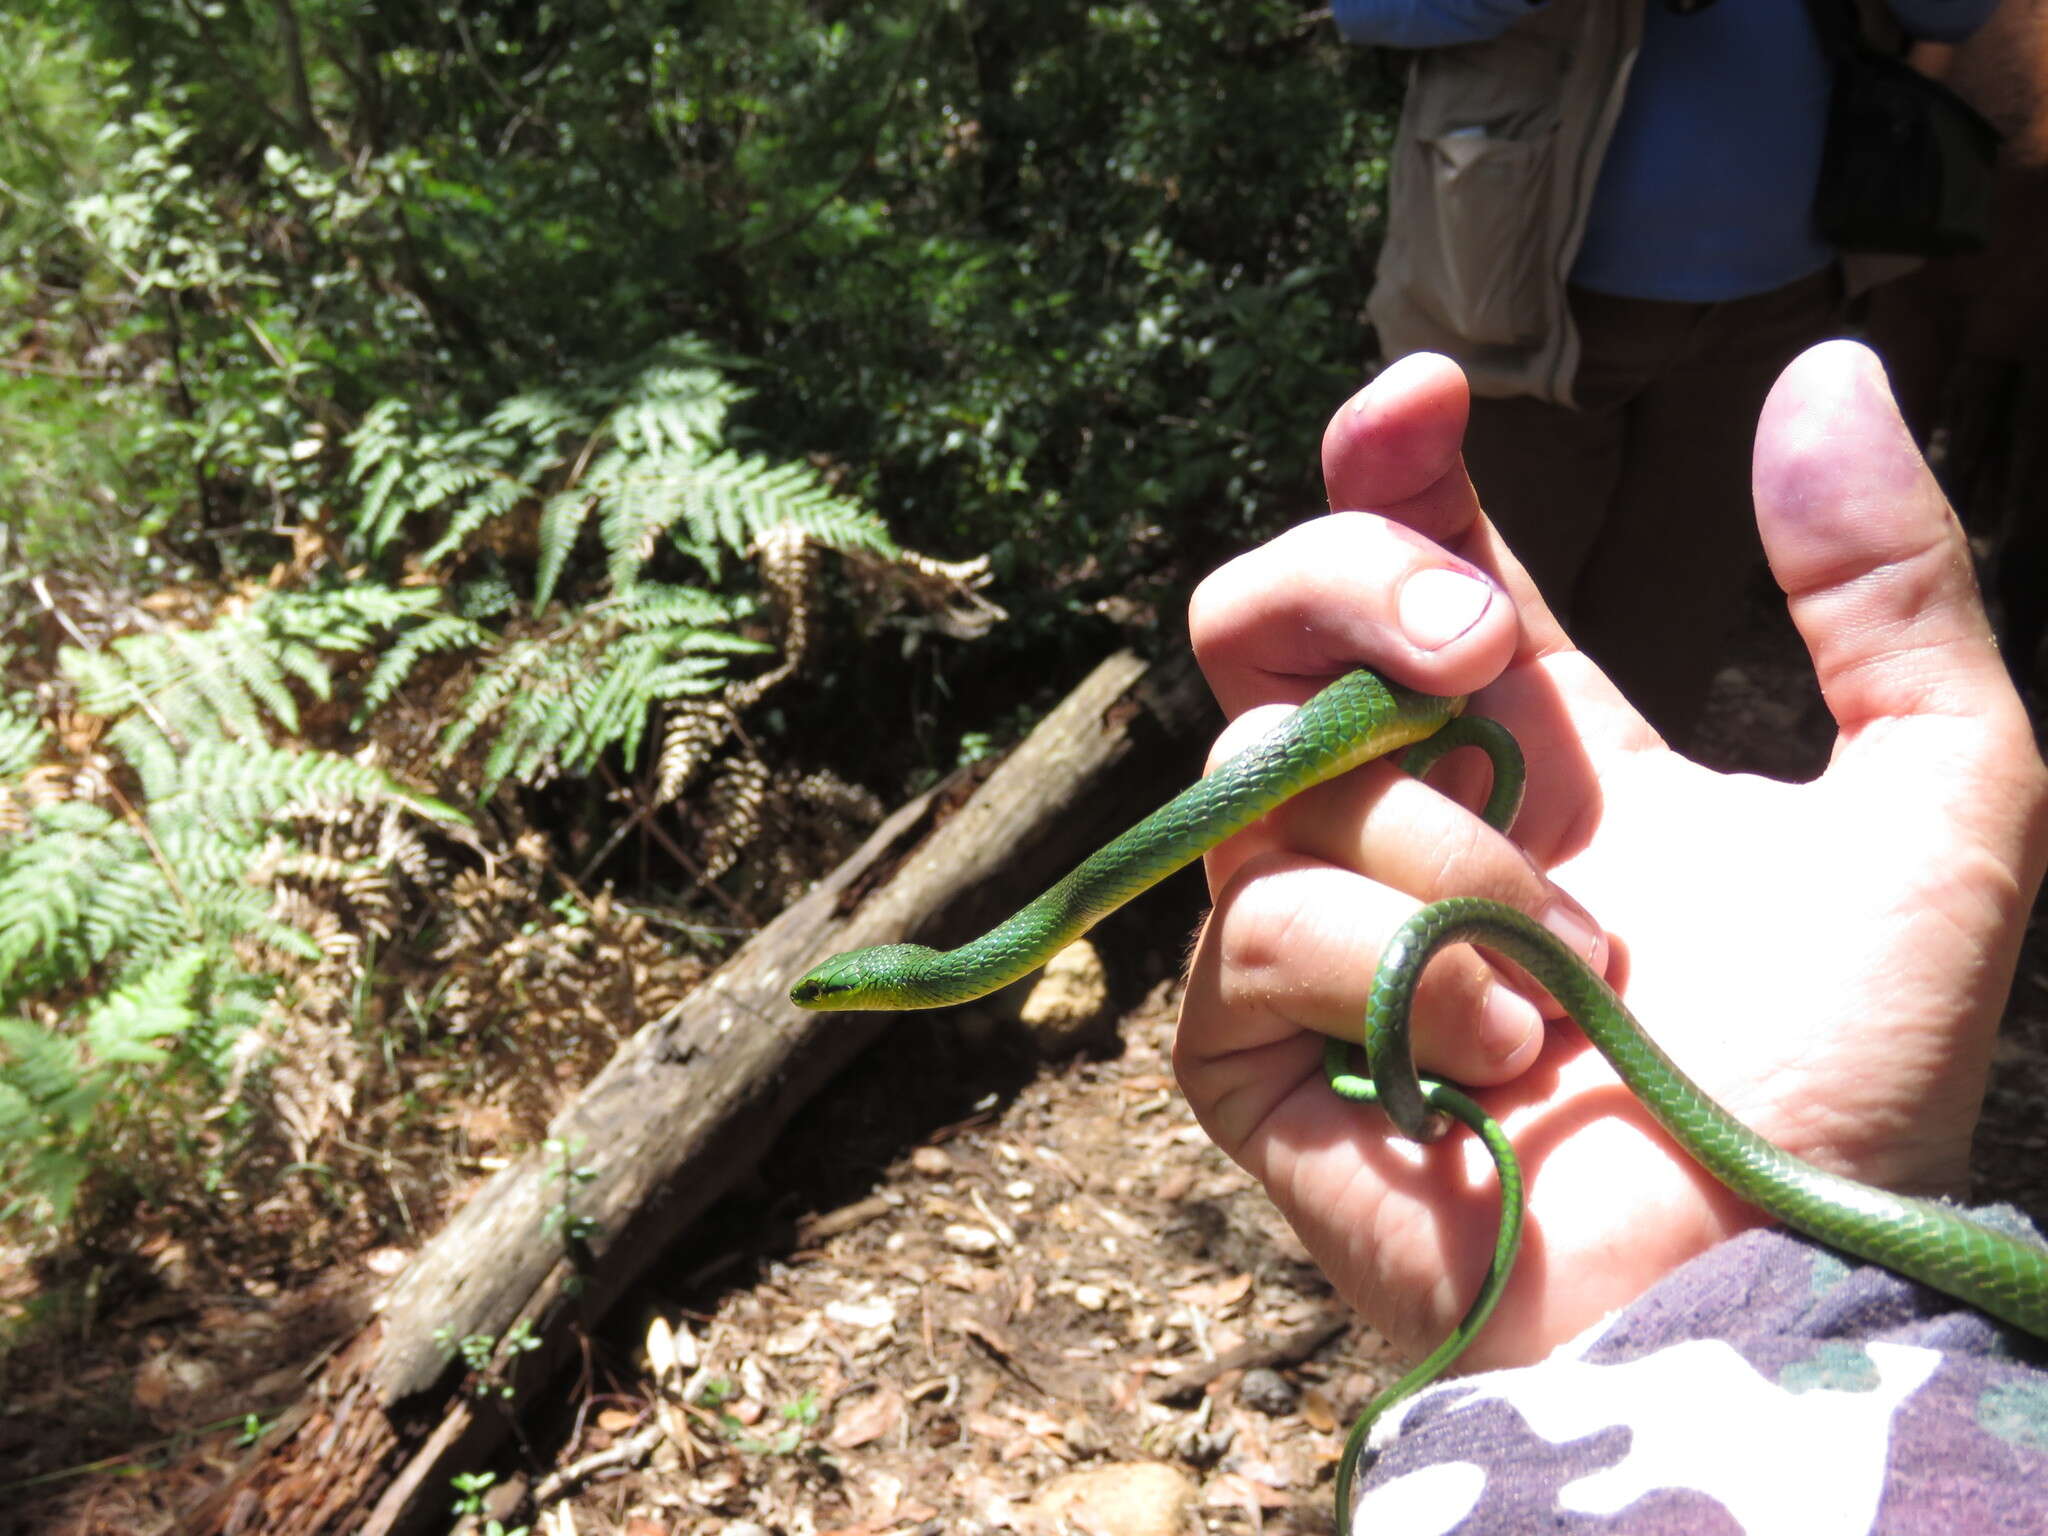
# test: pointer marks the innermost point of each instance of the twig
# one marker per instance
(631, 1451)
(696, 871)
(1287, 1350)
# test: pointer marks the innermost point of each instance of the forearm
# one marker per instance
(1770, 1354)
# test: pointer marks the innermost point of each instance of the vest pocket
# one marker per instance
(1484, 280)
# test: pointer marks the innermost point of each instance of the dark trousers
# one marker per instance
(1632, 509)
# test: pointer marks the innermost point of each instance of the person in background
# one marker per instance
(1829, 960)
(1601, 209)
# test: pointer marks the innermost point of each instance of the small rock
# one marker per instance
(1083, 1436)
(1068, 1009)
(1143, 1498)
(965, 1239)
(1268, 1391)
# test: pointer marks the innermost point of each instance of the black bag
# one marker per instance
(1907, 164)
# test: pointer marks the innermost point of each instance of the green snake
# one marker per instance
(1355, 719)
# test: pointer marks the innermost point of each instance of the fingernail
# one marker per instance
(1439, 604)
(1581, 935)
(1506, 1021)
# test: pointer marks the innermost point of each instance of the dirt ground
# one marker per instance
(967, 1293)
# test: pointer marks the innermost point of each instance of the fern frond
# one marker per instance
(43, 1066)
(173, 690)
(725, 501)
(254, 784)
(693, 733)
(671, 408)
(536, 719)
(611, 706)
(488, 499)
(380, 460)
(451, 477)
(658, 605)
(60, 893)
(135, 914)
(485, 596)
(561, 520)
(705, 672)
(18, 1118)
(235, 669)
(441, 633)
(125, 1025)
(838, 523)
(23, 741)
(542, 416)
(488, 693)
(559, 702)
(345, 619)
(143, 745)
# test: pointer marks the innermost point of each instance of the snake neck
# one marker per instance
(1352, 721)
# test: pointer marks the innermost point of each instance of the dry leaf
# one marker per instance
(868, 1418)
(1215, 1295)
(1317, 1411)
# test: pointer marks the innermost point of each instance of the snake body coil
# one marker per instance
(1357, 718)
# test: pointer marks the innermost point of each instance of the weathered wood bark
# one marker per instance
(684, 1110)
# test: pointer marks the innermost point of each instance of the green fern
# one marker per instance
(128, 1024)
(478, 497)
(254, 786)
(640, 454)
(721, 502)
(69, 897)
(381, 454)
(558, 703)
(643, 451)
(56, 1088)
(173, 689)
(23, 741)
(141, 938)
(87, 889)
(439, 634)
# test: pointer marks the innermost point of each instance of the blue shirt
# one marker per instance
(1706, 192)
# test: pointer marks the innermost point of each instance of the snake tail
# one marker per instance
(1441, 1098)
(1355, 719)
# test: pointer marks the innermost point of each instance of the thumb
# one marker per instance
(1872, 562)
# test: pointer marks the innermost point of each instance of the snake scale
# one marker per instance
(1352, 721)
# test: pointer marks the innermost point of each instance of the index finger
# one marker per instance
(1347, 590)
(1393, 448)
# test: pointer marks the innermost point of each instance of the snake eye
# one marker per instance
(818, 986)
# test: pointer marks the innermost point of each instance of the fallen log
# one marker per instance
(678, 1117)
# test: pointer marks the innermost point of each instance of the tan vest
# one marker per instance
(1494, 165)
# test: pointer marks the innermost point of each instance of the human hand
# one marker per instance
(1828, 960)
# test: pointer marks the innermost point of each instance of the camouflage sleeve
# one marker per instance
(1770, 1386)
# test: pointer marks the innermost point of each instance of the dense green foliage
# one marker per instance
(172, 916)
(408, 411)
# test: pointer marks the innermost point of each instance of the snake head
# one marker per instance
(859, 978)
